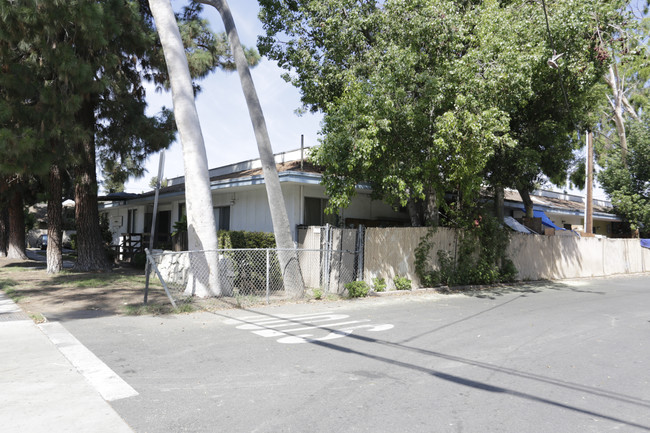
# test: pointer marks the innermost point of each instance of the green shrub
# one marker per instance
(357, 289)
(379, 284)
(508, 272)
(139, 260)
(242, 239)
(111, 254)
(481, 256)
(402, 283)
(250, 274)
(318, 294)
(73, 241)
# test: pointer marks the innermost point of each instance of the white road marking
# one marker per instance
(262, 318)
(265, 326)
(332, 335)
(99, 375)
(275, 333)
(284, 322)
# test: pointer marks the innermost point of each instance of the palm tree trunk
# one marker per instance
(288, 259)
(201, 229)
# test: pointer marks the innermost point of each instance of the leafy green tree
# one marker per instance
(427, 97)
(153, 182)
(80, 67)
(556, 101)
(627, 179)
(21, 120)
(628, 73)
(391, 81)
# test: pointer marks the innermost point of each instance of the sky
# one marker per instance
(226, 126)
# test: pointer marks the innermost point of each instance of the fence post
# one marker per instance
(328, 255)
(360, 248)
(268, 252)
(162, 281)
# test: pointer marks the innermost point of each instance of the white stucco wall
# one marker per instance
(249, 209)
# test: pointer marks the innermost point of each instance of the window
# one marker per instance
(181, 211)
(315, 212)
(222, 217)
(130, 220)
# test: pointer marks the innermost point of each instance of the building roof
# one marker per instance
(294, 166)
(554, 202)
(252, 175)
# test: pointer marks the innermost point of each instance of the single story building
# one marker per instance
(566, 211)
(240, 203)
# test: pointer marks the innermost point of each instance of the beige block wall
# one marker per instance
(391, 251)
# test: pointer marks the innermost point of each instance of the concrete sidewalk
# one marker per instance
(40, 390)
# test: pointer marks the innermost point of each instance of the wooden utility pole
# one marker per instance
(589, 201)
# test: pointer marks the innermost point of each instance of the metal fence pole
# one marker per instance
(268, 282)
(162, 280)
(360, 246)
(327, 264)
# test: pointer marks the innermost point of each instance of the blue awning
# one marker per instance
(545, 219)
(645, 243)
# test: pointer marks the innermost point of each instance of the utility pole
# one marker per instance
(589, 201)
(161, 167)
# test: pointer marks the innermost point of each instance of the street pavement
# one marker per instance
(563, 357)
(568, 356)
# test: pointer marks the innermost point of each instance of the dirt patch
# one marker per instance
(71, 295)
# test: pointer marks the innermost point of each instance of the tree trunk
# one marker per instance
(16, 238)
(91, 255)
(54, 222)
(431, 208)
(412, 207)
(498, 202)
(617, 102)
(201, 228)
(288, 259)
(4, 227)
(528, 202)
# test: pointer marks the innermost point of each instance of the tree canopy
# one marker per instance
(627, 180)
(72, 88)
(442, 96)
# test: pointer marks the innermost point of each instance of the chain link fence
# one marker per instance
(243, 277)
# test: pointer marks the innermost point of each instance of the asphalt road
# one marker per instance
(562, 357)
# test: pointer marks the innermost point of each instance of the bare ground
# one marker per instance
(71, 295)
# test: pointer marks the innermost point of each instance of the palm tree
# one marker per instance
(202, 235)
(288, 259)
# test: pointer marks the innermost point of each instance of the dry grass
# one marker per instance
(79, 294)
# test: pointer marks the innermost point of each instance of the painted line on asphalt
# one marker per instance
(286, 322)
(111, 386)
(257, 319)
(276, 333)
(265, 326)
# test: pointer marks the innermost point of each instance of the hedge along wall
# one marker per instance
(390, 252)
